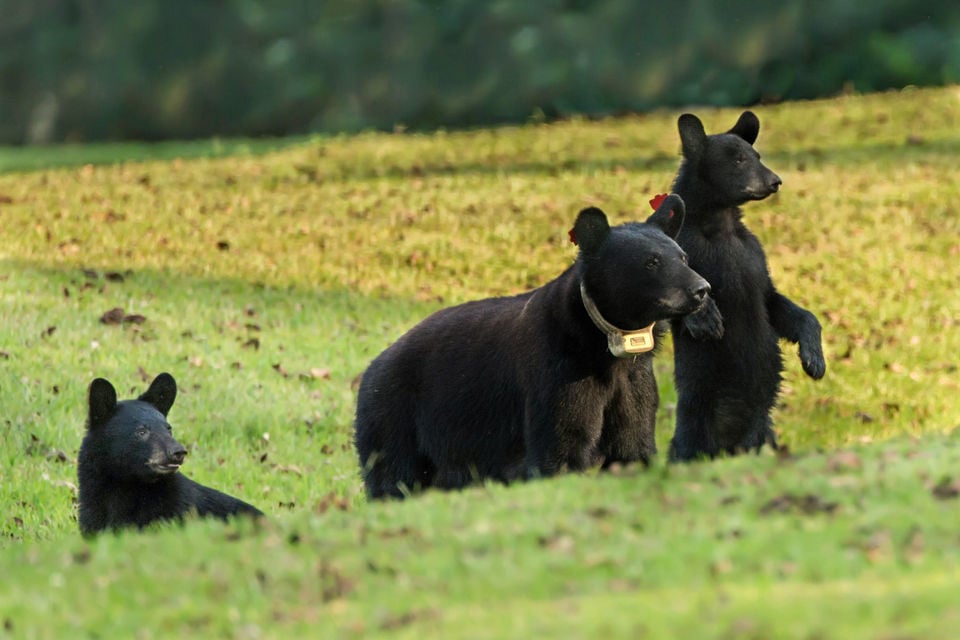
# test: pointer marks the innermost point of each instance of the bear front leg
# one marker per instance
(705, 324)
(798, 325)
(561, 431)
(629, 420)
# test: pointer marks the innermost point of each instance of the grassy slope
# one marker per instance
(268, 282)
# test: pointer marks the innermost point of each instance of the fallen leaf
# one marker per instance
(290, 468)
(57, 456)
(335, 584)
(391, 621)
(913, 546)
(946, 489)
(560, 543)
(279, 369)
(806, 504)
(332, 501)
(721, 567)
(879, 546)
(844, 461)
(113, 316)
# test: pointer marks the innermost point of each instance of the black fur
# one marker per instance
(129, 463)
(525, 386)
(728, 371)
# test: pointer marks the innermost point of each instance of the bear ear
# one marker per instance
(162, 393)
(747, 127)
(591, 229)
(692, 135)
(103, 402)
(669, 215)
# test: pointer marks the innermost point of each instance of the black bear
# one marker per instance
(525, 386)
(129, 463)
(727, 355)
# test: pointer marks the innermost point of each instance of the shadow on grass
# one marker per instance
(35, 158)
(413, 167)
(14, 159)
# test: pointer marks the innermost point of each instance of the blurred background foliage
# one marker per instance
(82, 70)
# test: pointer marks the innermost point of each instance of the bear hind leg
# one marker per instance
(395, 476)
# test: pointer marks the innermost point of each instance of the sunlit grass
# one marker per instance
(268, 279)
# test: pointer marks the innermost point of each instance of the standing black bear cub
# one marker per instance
(129, 464)
(525, 386)
(728, 374)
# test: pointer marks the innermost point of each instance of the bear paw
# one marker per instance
(705, 324)
(811, 357)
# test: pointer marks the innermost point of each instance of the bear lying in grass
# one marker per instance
(129, 464)
(528, 385)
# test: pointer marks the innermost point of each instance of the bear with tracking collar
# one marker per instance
(525, 386)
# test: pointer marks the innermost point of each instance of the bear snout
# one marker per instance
(177, 455)
(700, 291)
(774, 182)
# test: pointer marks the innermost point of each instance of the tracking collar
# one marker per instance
(621, 343)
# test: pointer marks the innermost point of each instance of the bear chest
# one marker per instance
(735, 267)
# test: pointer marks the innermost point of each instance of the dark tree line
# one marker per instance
(157, 69)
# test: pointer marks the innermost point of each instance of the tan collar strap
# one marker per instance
(621, 343)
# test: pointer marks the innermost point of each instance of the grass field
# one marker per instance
(269, 277)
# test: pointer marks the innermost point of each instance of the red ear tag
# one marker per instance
(573, 236)
(657, 200)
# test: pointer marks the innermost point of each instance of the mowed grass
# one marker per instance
(267, 282)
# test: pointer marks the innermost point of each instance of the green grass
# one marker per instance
(269, 279)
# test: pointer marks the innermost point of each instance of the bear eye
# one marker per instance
(143, 433)
(652, 262)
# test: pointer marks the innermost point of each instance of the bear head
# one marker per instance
(726, 165)
(131, 439)
(635, 272)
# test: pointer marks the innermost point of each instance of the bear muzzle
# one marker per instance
(762, 187)
(170, 462)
